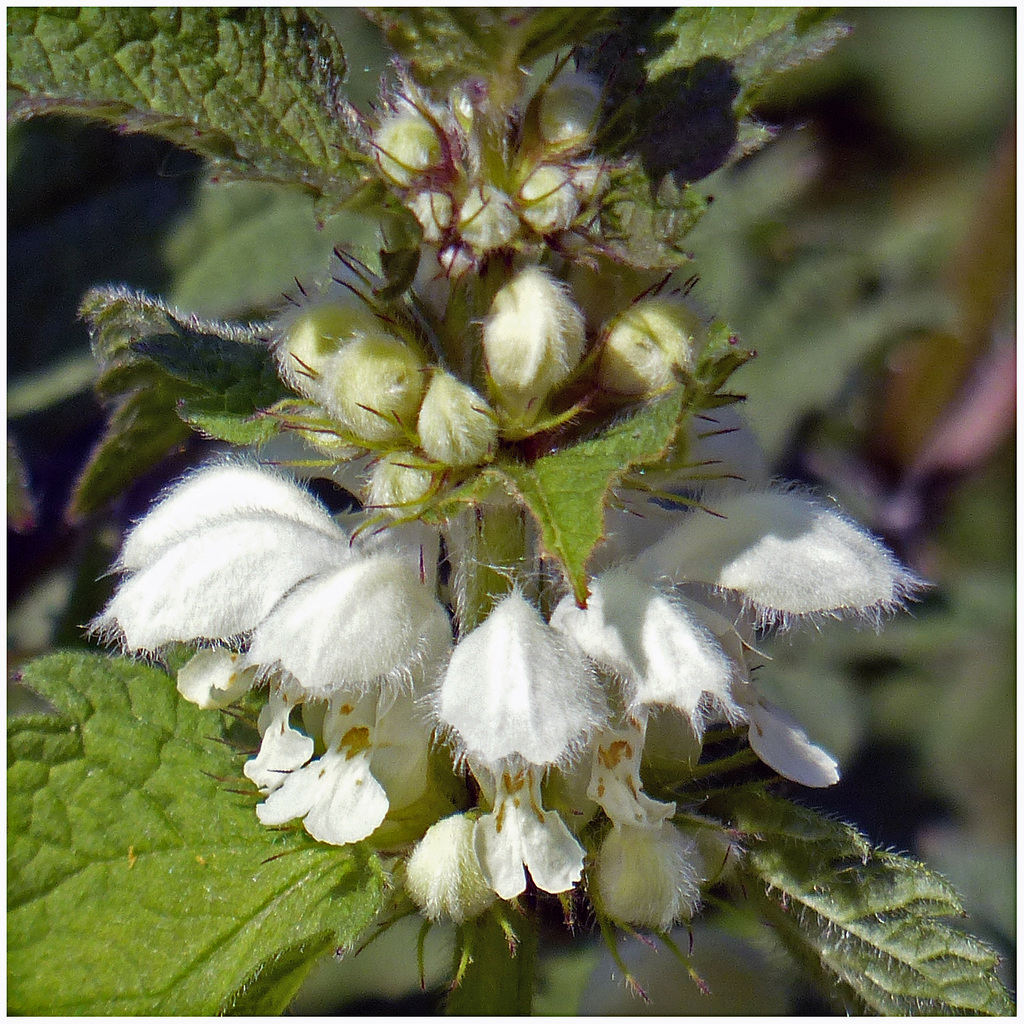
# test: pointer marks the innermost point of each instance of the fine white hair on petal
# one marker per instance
(369, 620)
(516, 688)
(786, 555)
(663, 654)
(216, 493)
(218, 582)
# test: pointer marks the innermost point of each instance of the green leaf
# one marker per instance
(137, 882)
(143, 428)
(758, 42)
(866, 924)
(254, 89)
(446, 45)
(566, 491)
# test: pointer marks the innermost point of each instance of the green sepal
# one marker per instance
(140, 881)
(867, 925)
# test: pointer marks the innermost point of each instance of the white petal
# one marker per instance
(401, 748)
(553, 857)
(780, 742)
(284, 750)
(516, 687)
(338, 797)
(499, 848)
(215, 493)
(651, 640)
(785, 554)
(218, 582)
(615, 779)
(520, 831)
(215, 679)
(369, 620)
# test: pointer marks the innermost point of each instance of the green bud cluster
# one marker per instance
(479, 181)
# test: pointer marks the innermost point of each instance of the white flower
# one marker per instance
(662, 653)
(783, 554)
(518, 698)
(237, 555)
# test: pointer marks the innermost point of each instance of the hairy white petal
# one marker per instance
(216, 493)
(785, 554)
(515, 687)
(283, 750)
(370, 620)
(661, 651)
(500, 853)
(217, 582)
(215, 679)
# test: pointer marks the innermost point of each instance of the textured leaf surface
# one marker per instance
(867, 924)
(167, 369)
(255, 89)
(137, 884)
(566, 491)
(446, 45)
(758, 42)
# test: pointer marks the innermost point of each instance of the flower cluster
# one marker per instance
(554, 715)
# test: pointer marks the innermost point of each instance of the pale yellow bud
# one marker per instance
(434, 212)
(443, 875)
(548, 200)
(397, 484)
(645, 344)
(373, 387)
(407, 145)
(487, 220)
(456, 425)
(568, 111)
(313, 336)
(533, 339)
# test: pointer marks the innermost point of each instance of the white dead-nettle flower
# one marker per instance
(784, 555)
(240, 557)
(518, 698)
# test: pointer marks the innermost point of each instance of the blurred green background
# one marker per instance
(867, 255)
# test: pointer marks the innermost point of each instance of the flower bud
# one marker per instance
(443, 875)
(434, 212)
(487, 220)
(407, 144)
(647, 878)
(397, 483)
(533, 339)
(548, 200)
(568, 111)
(644, 344)
(456, 425)
(309, 339)
(373, 387)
